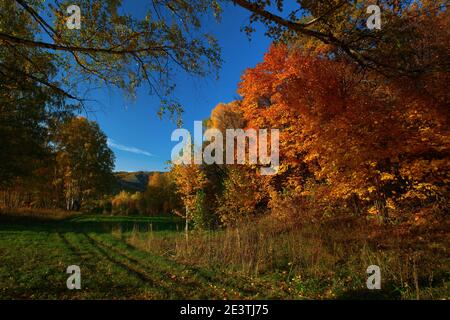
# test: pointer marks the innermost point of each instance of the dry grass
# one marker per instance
(321, 260)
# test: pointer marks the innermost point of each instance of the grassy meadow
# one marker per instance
(136, 257)
(35, 253)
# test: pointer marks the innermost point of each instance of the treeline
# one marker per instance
(160, 197)
(363, 116)
(353, 141)
(70, 168)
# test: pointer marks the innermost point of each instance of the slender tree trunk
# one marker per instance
(186, 227)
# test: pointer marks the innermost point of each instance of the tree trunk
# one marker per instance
(186, 226)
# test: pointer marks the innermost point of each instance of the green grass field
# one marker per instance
(149, 258)
(34, 255)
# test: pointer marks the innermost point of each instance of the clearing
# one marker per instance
(36, 252)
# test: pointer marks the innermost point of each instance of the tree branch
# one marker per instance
(297, 27)
(42, 81)
(56, 47)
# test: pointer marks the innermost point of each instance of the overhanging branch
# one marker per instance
(69, 48)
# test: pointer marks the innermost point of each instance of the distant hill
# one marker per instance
(132, 181)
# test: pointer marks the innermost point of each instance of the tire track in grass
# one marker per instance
(220, 286)
(218, 281)
(74, 250)
(79, 256)
(161, 274)
(93, 258)
(140, 263)
(184, 289)
(130, 268)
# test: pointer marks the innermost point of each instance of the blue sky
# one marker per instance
(139, 139)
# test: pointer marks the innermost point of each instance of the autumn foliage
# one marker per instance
(382, 142)
(354, 139)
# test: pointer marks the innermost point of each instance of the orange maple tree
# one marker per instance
(382, 141)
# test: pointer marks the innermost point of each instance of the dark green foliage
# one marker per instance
(202, 217)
